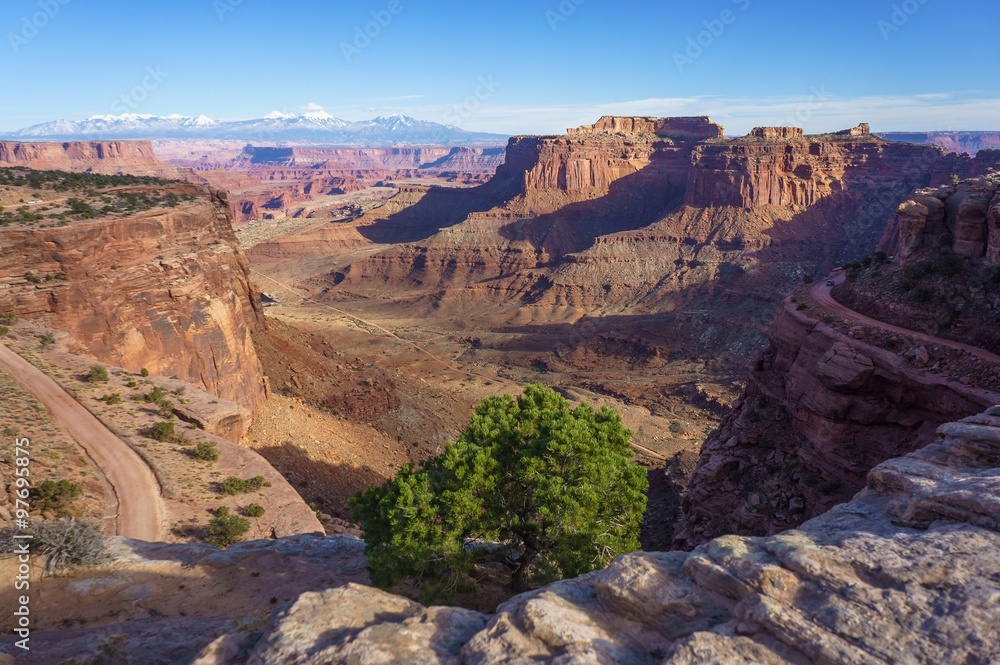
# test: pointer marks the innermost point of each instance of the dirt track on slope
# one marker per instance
(138, 512)
(823, 295)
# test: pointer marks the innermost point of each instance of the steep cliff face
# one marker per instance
(825, 404)
(647, 215)
(168, 290)
(964, 216)
(132, 157)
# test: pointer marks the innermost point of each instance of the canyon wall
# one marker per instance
(168, 290)
(823, 406)
(107, 157)
(971, 142)
(965, 216)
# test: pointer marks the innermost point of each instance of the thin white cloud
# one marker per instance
(817, 110)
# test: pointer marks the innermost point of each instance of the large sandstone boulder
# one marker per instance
(843, 368)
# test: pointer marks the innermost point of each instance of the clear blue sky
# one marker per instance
(824, 65)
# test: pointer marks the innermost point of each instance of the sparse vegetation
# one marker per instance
(206, 451)
(47, 340)
(163, 432)
(532, 490)
(65, 544)
(226, 529)
(7, 319)
(254, 510)
(98, 374)
(234, 485)
(112, 399)
(56, 497)
(4, 330)
(144, 372)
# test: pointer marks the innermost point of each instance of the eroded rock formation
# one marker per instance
(964, 216)
(109, 157)
(168, 290)
(822, 407)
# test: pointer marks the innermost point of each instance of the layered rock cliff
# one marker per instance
(110, 157)
(964, 217)
(906, 572)
(168, 290)
(828, 400)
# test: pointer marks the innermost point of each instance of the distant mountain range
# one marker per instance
(970, 142)
(317, 127)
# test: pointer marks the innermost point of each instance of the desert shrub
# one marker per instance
(993, 277)
(7, 319)
(97, 374)
(948, 264)
(917, 271)
(226, 529)
(254, 510)
(47, 340)
(65, 544)
(881, 257)
(166, 408)
(155, 396)
(56, 497)
(531, 487)
(144, 372)
(4, 330)
(206, 451)
(234, 485)
(163, 432)
(112, 399)
(32, 278)
(922, 294)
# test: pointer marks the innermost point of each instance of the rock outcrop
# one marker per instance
(906, 572)
(778, 132)
(686, 129)
(964, 216)
(820, 410)
(108, 157)
(168, 290)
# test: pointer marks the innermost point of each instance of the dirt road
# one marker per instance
(138, 511)
(821, 293)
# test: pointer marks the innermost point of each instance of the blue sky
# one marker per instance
(516, 66)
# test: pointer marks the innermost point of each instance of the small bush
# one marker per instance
(97, 374)
(32, 278)
(4, 330)
(206, 451)
(65, 544)
(131, 384)
(234, 485)
(112, 399)
(881, 257)
(47, 340)
(164, 432)
(144, 372)
(254, 510)
(56, 497)
(7, 319)
(922, 294)
(226, 529)
(155, 396)
(166, 408)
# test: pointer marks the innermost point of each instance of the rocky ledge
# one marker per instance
(907, 572)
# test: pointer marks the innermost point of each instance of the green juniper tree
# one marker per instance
(541, 489)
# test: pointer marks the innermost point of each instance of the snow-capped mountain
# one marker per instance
(315, 126)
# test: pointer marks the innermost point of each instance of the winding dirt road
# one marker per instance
(822, 294)
(138, 511)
